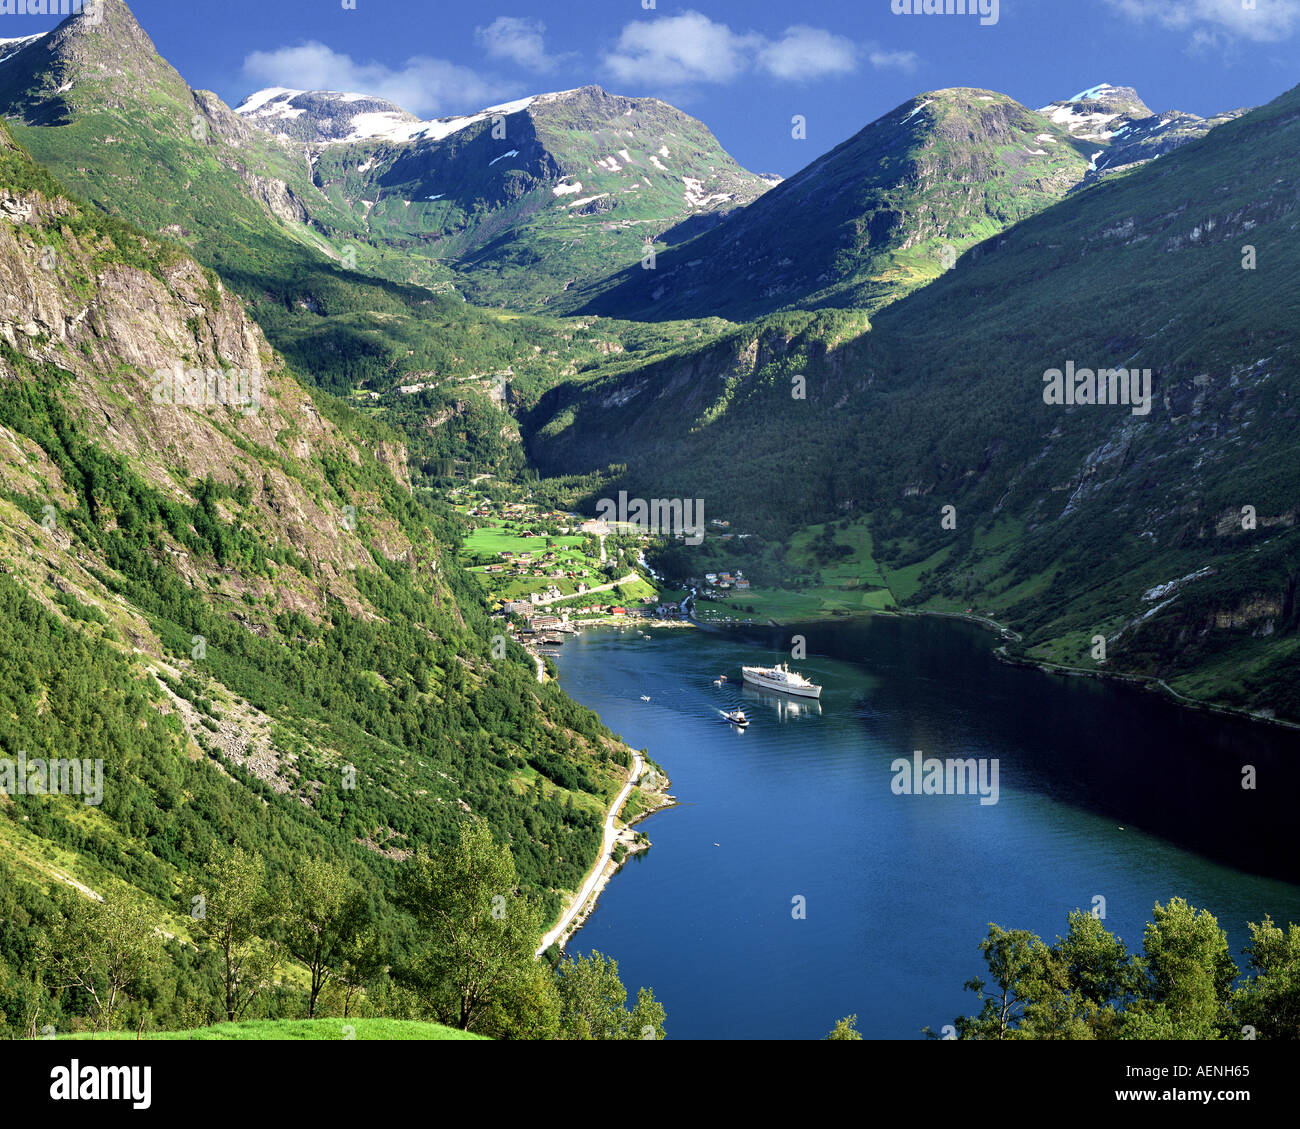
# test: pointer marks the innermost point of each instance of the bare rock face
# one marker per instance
(167, 370)
(278, 197)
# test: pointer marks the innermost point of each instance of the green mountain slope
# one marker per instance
(1071, 521)
(880, 214)
(115, 122)
(220, 584)
(525, 200)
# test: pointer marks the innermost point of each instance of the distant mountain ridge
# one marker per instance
(882, 213)
(1126, 129)
(525, 199)
(1174, 536)
(889, 209)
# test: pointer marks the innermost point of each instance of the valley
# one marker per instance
(354, 471)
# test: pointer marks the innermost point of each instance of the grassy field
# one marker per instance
(852, 584)
(497, 539)
(299, 1029)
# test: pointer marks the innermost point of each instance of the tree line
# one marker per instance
(1088, 985)
(310, 943)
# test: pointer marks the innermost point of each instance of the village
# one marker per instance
(548, 573)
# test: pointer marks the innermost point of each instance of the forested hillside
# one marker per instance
(1070, 521)
(220, 586)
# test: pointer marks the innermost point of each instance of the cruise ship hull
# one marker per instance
(757, 678)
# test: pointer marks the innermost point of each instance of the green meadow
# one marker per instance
(320, 1030)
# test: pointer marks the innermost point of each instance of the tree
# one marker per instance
(593, 998)
(102, 949)
(531, 1012)
(1270, 1001)
(323, 913)
(1088, 986)
(1081, 984)
(478, 931)
(21, 1003)
(1191, 973)
(229, 904)
(363, 957)
(845, 1030)
(1015, 960)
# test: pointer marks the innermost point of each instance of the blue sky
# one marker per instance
(744, 68)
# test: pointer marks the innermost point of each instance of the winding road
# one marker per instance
(628, 579)
(607, 849)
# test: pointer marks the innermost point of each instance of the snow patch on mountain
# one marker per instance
(385, 122)
(1092, 92)
(10, 47)
(918, 109)
(696, 196)
(257, 100)
(1076, 122)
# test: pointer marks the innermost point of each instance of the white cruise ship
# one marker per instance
(781, 678)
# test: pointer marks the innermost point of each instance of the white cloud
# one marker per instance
(1212, 21)
(423, 85)
(903, 60)
(678, 50)
(517, 39)
(808, 52)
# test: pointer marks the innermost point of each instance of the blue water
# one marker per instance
(1096, 783)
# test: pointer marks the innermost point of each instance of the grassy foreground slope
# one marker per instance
(388, 1030)
(219, 585)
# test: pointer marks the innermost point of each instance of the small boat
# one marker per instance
(644, 635)
(717, 682)
(645, 697)
(736, 717)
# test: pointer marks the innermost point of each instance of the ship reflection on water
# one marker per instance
(786, 707)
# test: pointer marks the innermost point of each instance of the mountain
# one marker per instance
(94, 101)
(875, 217)
(1124, 128)
(891, 208)
(220, 584)
(1171, 533)
(323, 115)
(525, 199)
(127, 134)
(510, 205)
